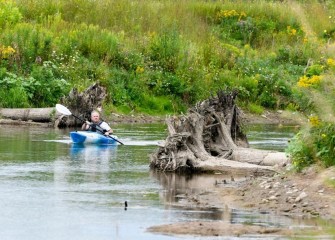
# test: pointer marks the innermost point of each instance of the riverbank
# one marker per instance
(309, 194)
(305, 195)
(268, 117)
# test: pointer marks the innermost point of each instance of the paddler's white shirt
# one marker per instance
(105, 126)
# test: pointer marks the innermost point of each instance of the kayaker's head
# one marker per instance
(95, 117)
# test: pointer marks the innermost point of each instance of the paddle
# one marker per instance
(64, 110)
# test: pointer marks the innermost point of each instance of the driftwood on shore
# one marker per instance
(210, 138)
(29, 114)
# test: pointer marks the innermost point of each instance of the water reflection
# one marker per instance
(177, 187)
(270, 136)
(86, 163)
(93, 152)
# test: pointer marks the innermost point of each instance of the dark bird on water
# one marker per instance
(125, 205)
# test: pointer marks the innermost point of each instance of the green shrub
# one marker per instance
(9, 14)
(294, 55)
(14, 97)
(313, 145)
(169, 84)
(90, 40)
(324, 142)
(43, 88)
(315, 69)
(302, 100)
(164, 51)
(254, 108)
(156, 105)
(258, 24)
(12, 93)
(248, 89)
(122, 89)
(33, 10)
(301, 151)
(31, 43)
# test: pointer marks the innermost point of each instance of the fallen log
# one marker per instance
(210, 138)
(30, 114)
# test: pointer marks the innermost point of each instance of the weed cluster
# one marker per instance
(315, 145)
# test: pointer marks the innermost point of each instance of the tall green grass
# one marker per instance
(182, 51)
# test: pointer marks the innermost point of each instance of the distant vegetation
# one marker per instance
(160, 57)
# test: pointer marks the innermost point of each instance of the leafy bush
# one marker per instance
(313, 145)
(41, 89)
(301, 151)
(169, 84)
(12, 93)
(31, 43)
(164, 51)
(15, 97)
(315, 69)
(9, 14)
(324, 142)
(94, 42)
(254, 108)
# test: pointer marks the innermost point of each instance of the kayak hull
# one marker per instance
(88, 137)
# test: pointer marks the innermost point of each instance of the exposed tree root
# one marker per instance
(210, 138)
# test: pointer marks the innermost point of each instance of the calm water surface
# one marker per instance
(52, 189)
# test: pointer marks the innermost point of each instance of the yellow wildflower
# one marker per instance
(230, 14)
(314, 120)
(330, 62)
(306, 82)
(139, 69)
(5, 52)
(152, 34)
(291, 31)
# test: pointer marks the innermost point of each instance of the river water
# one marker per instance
(52, 189)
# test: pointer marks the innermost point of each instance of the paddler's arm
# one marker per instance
(86, 125)
(110, 131)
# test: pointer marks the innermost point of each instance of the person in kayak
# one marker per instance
(97, 125)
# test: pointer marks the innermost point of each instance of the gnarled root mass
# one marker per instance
(210, 138)
(81, 104)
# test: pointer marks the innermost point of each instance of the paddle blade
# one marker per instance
(62, 109)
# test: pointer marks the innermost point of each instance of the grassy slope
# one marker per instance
(168, 55)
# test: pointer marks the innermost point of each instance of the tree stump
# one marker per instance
(81, 104)
(210, 138)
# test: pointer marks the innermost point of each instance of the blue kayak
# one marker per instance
(92, 138)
